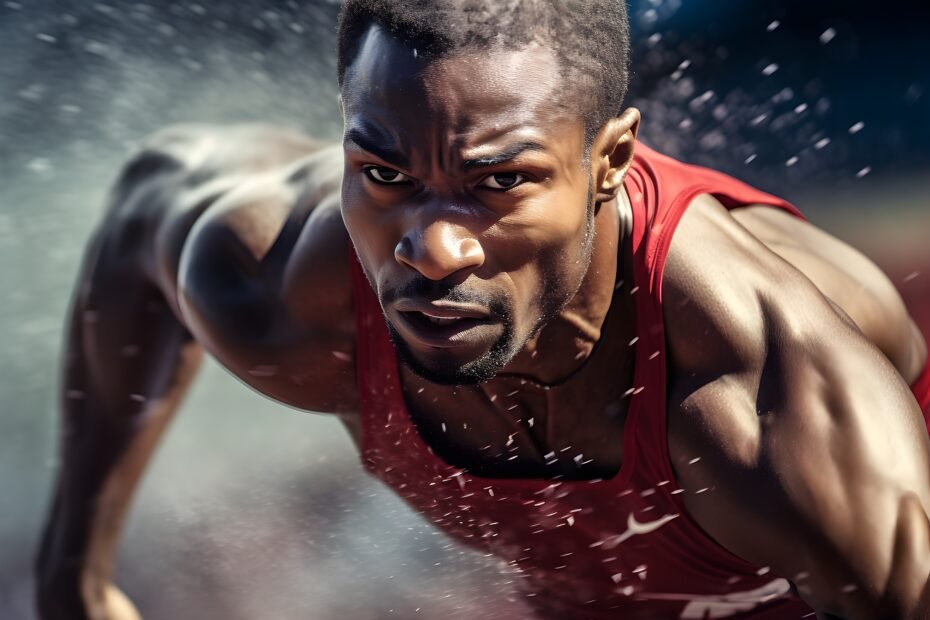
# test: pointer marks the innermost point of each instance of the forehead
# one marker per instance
(468, 92)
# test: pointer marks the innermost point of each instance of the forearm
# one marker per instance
(903, 590)
(908, 591)
(103, 456)
(93, 460)
(99, 454)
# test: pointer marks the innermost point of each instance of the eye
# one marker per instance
(503, 181)
(385, 176)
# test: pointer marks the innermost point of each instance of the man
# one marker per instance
(653, 390)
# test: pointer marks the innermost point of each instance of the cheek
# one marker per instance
(541, 247)
(553, 226)
(370, 238)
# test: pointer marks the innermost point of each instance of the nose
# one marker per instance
(440, 249)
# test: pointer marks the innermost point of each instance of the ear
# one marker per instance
(612, 153)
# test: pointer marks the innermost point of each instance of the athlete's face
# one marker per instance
(467, 198)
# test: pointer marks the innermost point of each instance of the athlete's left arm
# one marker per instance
(817, 460)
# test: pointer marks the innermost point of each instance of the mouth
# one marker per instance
(439, 320)
(444, 327)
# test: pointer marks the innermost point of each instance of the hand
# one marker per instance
(109, 604)
(115, 606)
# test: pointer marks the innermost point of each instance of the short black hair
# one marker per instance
(591, 38)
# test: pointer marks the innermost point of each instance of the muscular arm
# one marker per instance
(130, 354)
(128, 362)
(814, 447)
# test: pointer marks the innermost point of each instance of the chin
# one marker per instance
(445, 368)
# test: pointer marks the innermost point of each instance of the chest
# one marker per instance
(512, 427)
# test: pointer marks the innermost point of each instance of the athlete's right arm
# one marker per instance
(152, 290)
(127, 363)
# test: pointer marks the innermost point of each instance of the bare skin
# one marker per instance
(237, 242)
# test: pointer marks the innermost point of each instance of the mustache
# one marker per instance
(421, 288)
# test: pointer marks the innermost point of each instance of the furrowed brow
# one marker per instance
(509, 153)
(376, 145)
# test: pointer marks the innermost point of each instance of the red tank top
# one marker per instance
(601, 549)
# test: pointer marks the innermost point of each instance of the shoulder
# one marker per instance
(250, 198)
(847, 277)
(263, 284)
(805, 433)
(714, 274)
(180, 172)
(744, 324)
(240, 229)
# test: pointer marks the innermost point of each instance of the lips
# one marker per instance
(444, 326)
(439, 310)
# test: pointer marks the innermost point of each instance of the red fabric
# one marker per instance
(921, 389)
(571, 541)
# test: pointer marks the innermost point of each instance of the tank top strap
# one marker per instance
(921, 390)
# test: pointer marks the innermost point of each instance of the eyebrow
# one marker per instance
(377, 144)
(382, 147)
(501, 157)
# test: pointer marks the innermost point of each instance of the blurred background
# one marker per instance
(253, 511)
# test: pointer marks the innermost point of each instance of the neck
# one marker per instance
(566, 342)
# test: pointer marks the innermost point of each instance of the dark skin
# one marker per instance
(250, 263)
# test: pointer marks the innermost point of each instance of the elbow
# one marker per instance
(902, 591)
(907, 590)
(922, 609)
(913, 603)
(897, 603)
